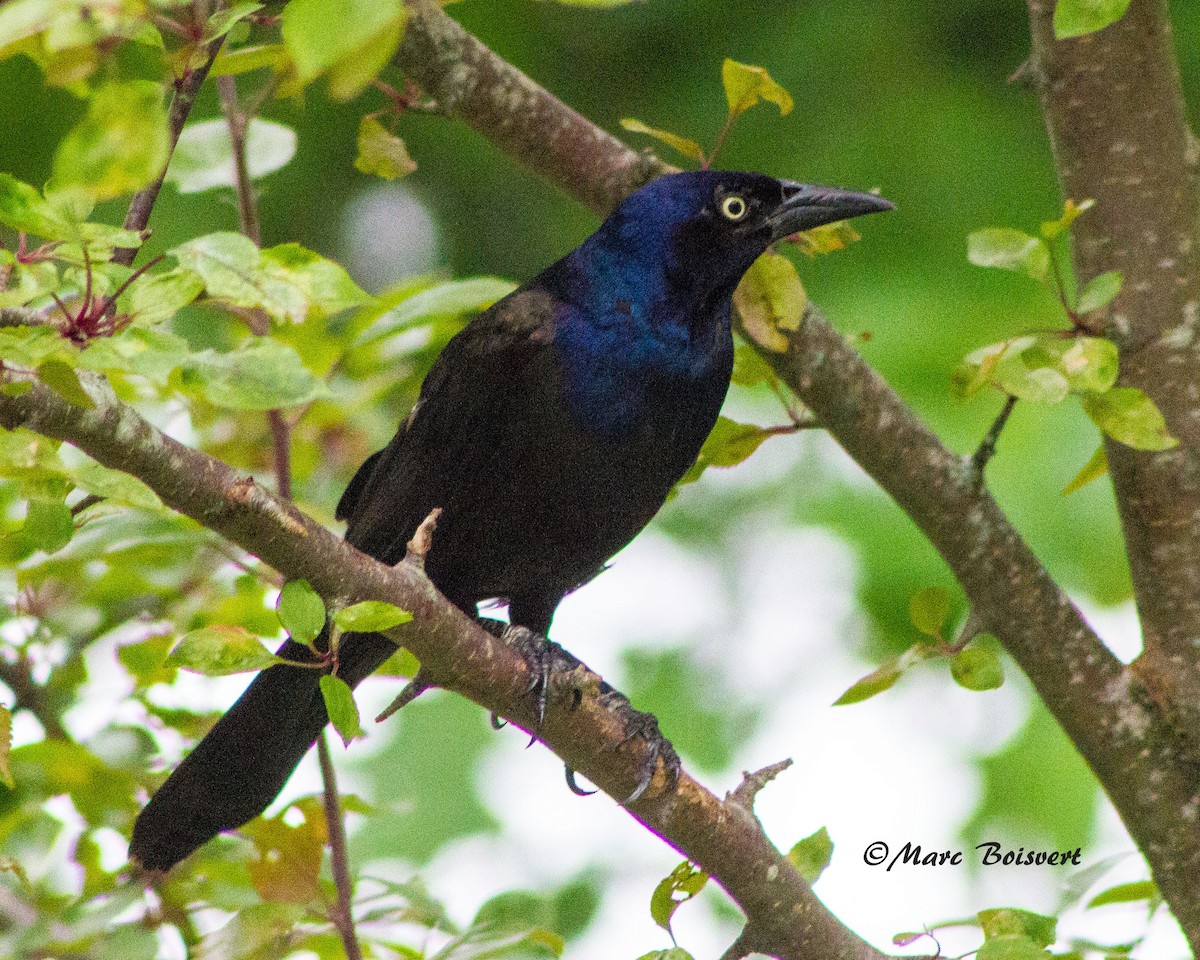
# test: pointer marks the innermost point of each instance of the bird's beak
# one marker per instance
(805, 206)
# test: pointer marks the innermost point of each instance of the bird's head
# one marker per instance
(708, 226)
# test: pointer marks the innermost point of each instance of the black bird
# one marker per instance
(549, 430)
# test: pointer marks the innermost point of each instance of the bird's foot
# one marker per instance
(644, 726)
(554, 674)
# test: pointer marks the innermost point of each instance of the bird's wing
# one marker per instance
(449, 437)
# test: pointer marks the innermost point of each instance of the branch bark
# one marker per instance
(455, 653)
(1127, 145)
(1102, 706)
(1115, 114)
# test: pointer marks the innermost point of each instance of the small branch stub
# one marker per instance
(752, 783)
(422, 540)
(413, 689)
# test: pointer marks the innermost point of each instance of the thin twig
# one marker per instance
(987, 449)
(340, 914)
(237, 121)
(186, 88)
(281, 446)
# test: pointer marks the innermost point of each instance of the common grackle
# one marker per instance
(549, 430)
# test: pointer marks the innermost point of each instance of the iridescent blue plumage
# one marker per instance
(550, 430)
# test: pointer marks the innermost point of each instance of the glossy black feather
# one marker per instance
(549, 430)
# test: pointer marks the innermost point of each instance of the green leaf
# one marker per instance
(221, 22)
(6, 776)
(315, 47)
(21, 20)
(1094, 469)
(156, 297)
(674, 890)
(1011, 948)
(1013, 922)
(825, 239)
(1037, 384)
(325, 285)
(219, 650)
(885, 677)
(977, 668)
(1088, 363)
(262, 374)
(370, 615)
(727, 445)
(402, 663)
(675, 953)
(13, 866)
(34, 346)
(113, 485)
(49, 525)
(1072, 211)
(770, 301)
(351, 75)
(233, 62)
(1008, 249)
(730, 443)
(286, 281)
(749, 368)
(452, 298)
(301, 611)
(976, 370)
(1126, 893)
(689, 148)
(746, 85)
(1073, 18)
(873, 684)
(23, 208)
(1100, 291)
(1130, 417)
(26, 281)
(229, 265)
(342, 710)
(61, 377)
(203, 158)
(148, 352)
(812, 855)
(380, 152)
(120, 145)
(929, 609)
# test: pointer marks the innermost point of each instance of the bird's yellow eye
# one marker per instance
(733, 207)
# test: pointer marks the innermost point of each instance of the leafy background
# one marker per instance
(758, 596)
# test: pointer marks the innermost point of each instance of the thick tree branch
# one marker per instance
(1100, 704)
(1115, 113)
(468, 81)
(455, 653)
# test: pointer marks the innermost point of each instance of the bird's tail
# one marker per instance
(243, 762)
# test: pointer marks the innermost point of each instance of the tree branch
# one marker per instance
(455, 653)
(1128, 146)
(1115, 113)
(1101, 705)
(186, 89)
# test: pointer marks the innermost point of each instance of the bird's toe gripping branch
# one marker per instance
(644, 726)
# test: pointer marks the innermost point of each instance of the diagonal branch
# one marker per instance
(1101, 705)
(724, 838)
(186, 89)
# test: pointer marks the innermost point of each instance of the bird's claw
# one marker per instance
(645, 727)
(575, 787)
(545, 659)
